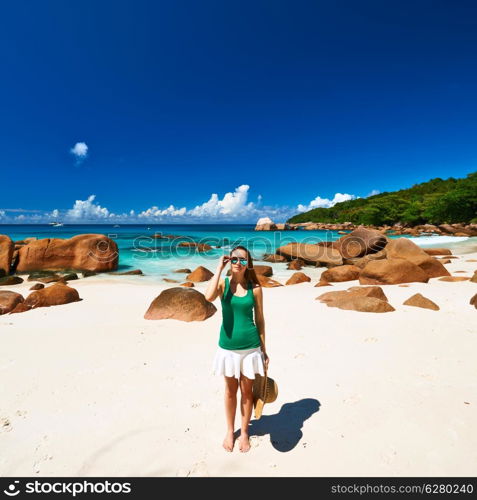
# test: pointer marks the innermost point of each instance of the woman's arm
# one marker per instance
(260, 319)
(214, 288)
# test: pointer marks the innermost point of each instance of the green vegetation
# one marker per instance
(437, 201)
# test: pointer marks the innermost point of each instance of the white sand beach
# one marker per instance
(92, 389)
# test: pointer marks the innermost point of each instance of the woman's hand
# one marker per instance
(223, 261)
(266, 360)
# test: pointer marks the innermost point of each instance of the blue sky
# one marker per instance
(188, 111)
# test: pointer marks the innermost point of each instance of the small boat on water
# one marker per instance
(55, 223)
(116, 225)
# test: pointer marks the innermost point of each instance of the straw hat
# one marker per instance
(265, 390)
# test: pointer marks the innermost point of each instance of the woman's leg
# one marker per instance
(231, 386)
(246, 406)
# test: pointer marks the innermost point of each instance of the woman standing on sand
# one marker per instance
(241, 349)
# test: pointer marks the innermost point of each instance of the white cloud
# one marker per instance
(319, 202)
(80, 151)
(2, 213)
(87, 209)
(157, 212)
(21, 210)
(231, 207)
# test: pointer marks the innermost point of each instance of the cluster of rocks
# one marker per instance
(84, 252)
(441, 229)
(52, 261)
(366, 255)
(461, 229)
(41, 296)
(370, 257)
(370, 299)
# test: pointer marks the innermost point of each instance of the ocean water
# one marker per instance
(165, 256)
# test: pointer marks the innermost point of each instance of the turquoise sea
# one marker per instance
(134, 239)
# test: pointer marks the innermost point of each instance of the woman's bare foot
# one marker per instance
(244, 443)
(228, 443)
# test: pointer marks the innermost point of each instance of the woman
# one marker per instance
(241, 349)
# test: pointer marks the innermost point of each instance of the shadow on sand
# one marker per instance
(285, 426)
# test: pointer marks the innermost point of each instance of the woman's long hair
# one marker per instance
(250, 274)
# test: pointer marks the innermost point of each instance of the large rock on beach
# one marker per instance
(200, 273)
(363, 304)
(418, 300)
(341, 273)
(265, 224)
(6, 254)
(297, 277)
(317, 255)
(361, 242)
(9, 300)
(267, 282)
(88, 252)
(355, 291)
(184, 304)
(392, 272)
(404, 248)
(354, 301)
(54, 295)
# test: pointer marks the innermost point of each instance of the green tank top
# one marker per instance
(238, 330)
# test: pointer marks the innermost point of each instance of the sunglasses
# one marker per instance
(235, 260)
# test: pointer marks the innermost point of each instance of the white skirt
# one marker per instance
(231, 363)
